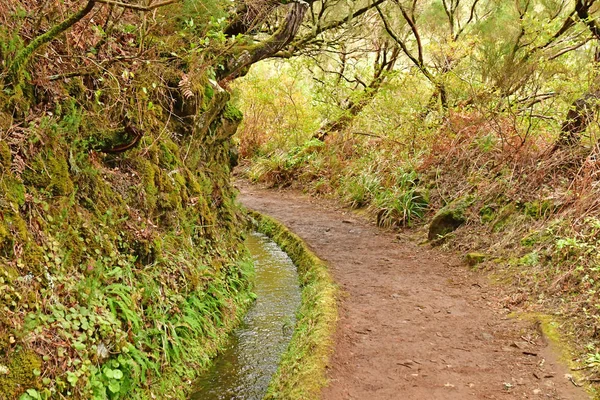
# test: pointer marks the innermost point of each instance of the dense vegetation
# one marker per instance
(475, 114)
(122, 265)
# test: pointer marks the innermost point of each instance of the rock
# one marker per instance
(473, 259)
(234, 157)
(445, 221)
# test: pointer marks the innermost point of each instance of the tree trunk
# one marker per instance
(581, 113)
(342, 122)
(579, 116)
(383, 66)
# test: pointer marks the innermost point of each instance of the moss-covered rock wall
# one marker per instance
(119, 273)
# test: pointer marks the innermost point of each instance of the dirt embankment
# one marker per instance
(415, 323)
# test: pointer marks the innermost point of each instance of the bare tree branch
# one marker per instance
(137, 6)
(305, 39)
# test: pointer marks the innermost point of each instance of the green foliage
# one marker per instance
(122, 273)
(133, 262)
(400, 207)
(32, 394)
(510, 77)
(278, 113)
(359, 190)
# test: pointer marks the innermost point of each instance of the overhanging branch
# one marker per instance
(138, 7)
(21, 59)
(235, 65)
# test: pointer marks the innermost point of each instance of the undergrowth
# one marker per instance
(531, 214)
(121, 271)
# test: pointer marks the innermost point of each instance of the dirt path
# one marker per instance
(415, 323)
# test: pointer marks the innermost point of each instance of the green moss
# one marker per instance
(503, 217)
(537, 237)
(169, 154)
(473, 259)
(50, 171)
(209, 92)
(446, 221)
(13, 190)
(5, 156)
(6, 119)
(75, 87)
(22, 367)
(147, 172)
(553, 330)
(144, 246)
(5, 241)
(232, 113)
(487, 213)
(539, 209)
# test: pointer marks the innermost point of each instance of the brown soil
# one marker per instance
(415, 322)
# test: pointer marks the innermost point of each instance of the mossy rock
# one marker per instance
(503, 217)
(445, 221)
(539, 209)
(473, 259)
(22, 368)
(144, 223)
(232, 113)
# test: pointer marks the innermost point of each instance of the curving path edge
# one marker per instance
(415, 323)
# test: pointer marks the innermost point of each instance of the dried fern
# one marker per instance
(185, 85)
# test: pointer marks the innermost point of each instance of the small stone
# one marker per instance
(445, 221)
(473, 259)
(537, 391)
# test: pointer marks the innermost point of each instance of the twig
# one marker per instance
(574, 382)
(137, 6)
(91, 71)
(377, 136)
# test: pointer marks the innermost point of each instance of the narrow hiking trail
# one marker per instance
(415, 323)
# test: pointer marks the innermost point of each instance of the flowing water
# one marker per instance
(244, 369)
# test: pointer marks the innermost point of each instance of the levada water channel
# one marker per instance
(244, 369)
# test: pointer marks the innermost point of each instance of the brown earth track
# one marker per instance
(415, 323)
